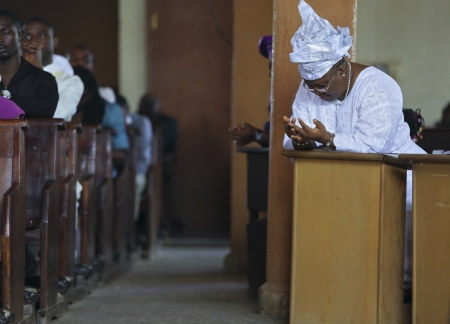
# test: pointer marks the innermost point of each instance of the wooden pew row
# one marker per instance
(12, 207)
(52, 155)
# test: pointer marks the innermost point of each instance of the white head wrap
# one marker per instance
(317, 45)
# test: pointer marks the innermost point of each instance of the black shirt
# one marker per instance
(33, 90)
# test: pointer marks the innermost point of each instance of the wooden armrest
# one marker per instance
(8, 205)
(96, 127)
(48, 122)
(22, 123)
(46, 191)
(74, 125)
(65, 194)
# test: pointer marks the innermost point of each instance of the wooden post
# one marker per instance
(274, 294)
(348, 238)
(250, 98)
(431, 241)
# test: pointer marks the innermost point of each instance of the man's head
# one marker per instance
(81, 55)
(42, 32)
(149, 106)
(10, 34)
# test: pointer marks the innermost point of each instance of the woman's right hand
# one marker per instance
(292, 130)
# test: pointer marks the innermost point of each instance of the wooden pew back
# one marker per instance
(42, 159)
(12, 211)
(104, 191)
(68, 171)
(87, 145)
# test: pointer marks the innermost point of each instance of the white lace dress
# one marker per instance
(370, 120)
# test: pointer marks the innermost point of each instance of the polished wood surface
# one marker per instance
(68, 171)
(431, 242)
(87, 142)
(104, 190)
(12, 207)
(426, 158)
(391, 159)
(43, 189)
(124, 189)
(348, 234)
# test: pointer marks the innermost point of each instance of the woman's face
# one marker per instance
(329, 87)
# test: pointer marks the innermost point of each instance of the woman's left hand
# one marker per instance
(318, 134)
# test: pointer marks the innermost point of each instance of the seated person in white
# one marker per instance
(344, 106)
(70, 87)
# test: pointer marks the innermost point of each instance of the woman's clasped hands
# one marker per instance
(303, 134)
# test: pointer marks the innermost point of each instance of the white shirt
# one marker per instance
(70, 90)
(370, 120)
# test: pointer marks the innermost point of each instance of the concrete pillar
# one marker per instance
(132, 50)
(274, 294)
(250, 99)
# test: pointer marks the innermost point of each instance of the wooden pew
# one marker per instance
(257, 191)
(154, 197)
(69, 176)
(12, 206)
(431, 241)
(435, 139)
(43, 186)
(104, 251)
(124, 188)
(348, 238)
(85, 247)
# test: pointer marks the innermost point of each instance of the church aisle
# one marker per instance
(179, 285)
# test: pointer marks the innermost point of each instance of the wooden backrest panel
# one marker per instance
(6, 147)
(87, 150)
(5, 179)
(12, 212)
(43, 190)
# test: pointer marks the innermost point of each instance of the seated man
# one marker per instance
(81, 55)
(70, 87)
(33, 90)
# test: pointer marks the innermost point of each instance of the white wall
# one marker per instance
(132, 50)
(412, 36)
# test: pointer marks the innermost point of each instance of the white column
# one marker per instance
(132, 50)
